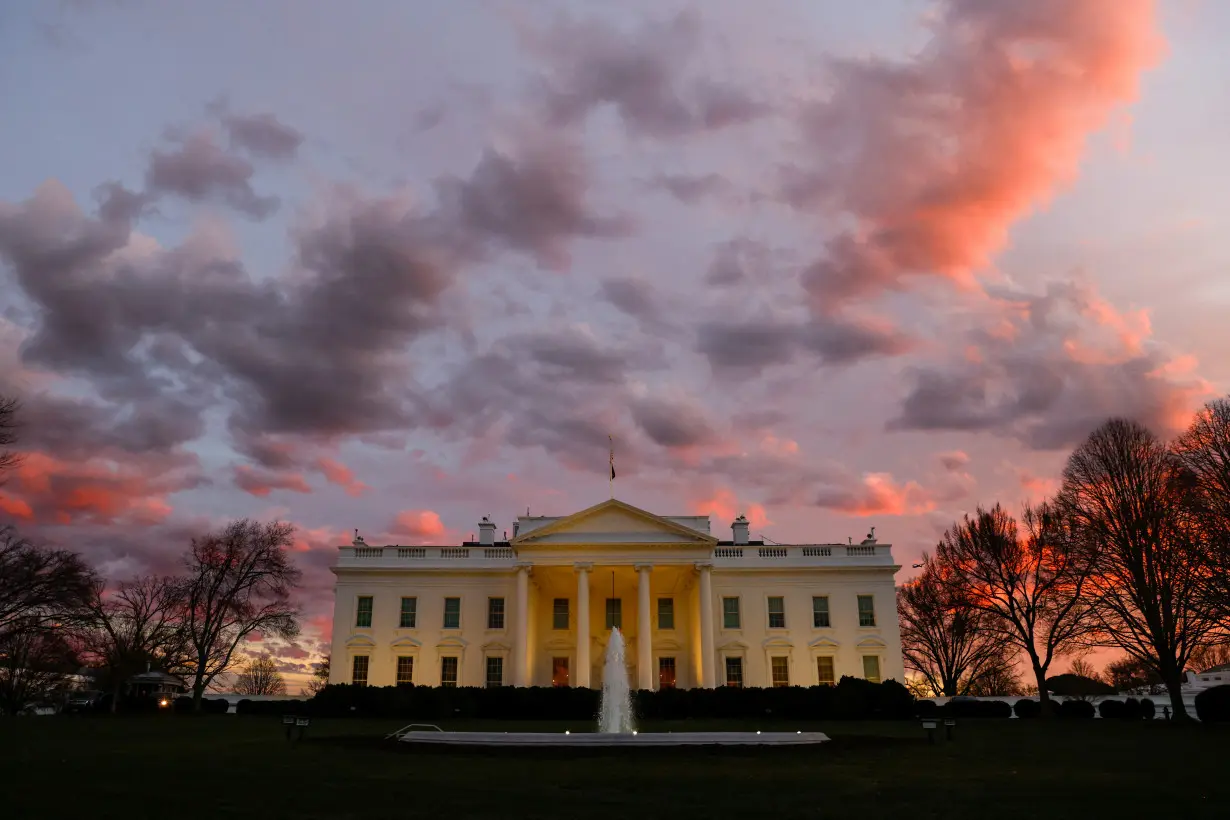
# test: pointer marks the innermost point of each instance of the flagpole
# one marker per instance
(612, 479)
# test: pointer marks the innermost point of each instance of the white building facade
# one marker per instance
(537, 609)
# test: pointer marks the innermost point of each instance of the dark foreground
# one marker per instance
(241, 767)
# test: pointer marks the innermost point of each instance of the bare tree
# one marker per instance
(944, 638)
(239, 581)
(1031, 587)
(1131, 675)
(1204, 658)
(320, 677)
(997, 680)
(135, 627)
(260, 676)
(40, 588)
(1127, 497)
(1085, 669)
(34, 666)
(1204, 453)
(8, 434)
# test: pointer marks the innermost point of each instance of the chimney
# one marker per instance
(486, 532)
(739, 528)
(516, 528)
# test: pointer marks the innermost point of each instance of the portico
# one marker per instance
(537, 609)
(639, 572)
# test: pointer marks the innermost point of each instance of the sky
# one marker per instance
(396, 266)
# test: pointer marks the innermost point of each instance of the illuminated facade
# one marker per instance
(536, 609)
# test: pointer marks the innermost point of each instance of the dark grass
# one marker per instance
(171, 766)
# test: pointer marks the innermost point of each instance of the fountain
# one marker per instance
(615, 723)
(615, 713)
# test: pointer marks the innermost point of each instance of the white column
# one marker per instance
(581, 678)
(521, 645)
(708, 677)
(644, 629)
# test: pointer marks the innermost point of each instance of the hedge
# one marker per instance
(976, 709)
(1147, 709)
(1026, 708)
(1075, 709)
(1213, 705)
(209, 706)
(271, 707)
(850, 699)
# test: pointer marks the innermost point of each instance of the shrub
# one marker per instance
(1075, 709)
(182, 705)
(976, 709)
(217, 706)
(1213, 705)
(926, 708)
(1147, 709)
(1026, 708)
(1078, 686)
(1112, 709)
(850, 699)
(1132, 709)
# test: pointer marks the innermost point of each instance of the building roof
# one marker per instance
(1222, 667)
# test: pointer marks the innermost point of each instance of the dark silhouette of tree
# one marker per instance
(320, 677)
(1127, 498)
(1031, 587)
(9, 459)
(1204, 452)
(944, 638)
(1131, 674)
(35, 665)
(239, 581)
(40, 588)
(135, 627)
(260, 676)
(998, 679)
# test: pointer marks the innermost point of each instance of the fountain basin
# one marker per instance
(613, 739)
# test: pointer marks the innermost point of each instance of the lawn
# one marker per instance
(241, 767)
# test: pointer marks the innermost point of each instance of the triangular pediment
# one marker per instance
(613, 522)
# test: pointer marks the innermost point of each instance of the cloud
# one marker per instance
(643, 73)
(954, 461)
(532, 201)
(1035, 375)
(673, 422)
(876, 494)
(692, 188)
(754, 344)
(337, 473)
(198, 170)
(417, 523)
(724, 506)
(262, 135)
(934, 159)
(262, 482)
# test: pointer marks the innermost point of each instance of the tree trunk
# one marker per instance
(198, 694)
(1044, 697)
(1174, 687)
(115, 697)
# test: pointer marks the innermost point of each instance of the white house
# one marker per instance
(537, 609)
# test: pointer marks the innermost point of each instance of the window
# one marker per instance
(358, 671)
(452, 613)
(734, 672)
(448, 671)
(730, 613)
(405, 670)
(559, 671)
(777, 613)
(824, 671)
(781, 671)
(495, 671)
(866, 611)
(666, 613)
(559, 614)
(614, 613)
(363, 616)
(666, 673)
(820, 612)
(495, 613)
(409, 613)
(871, 668)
